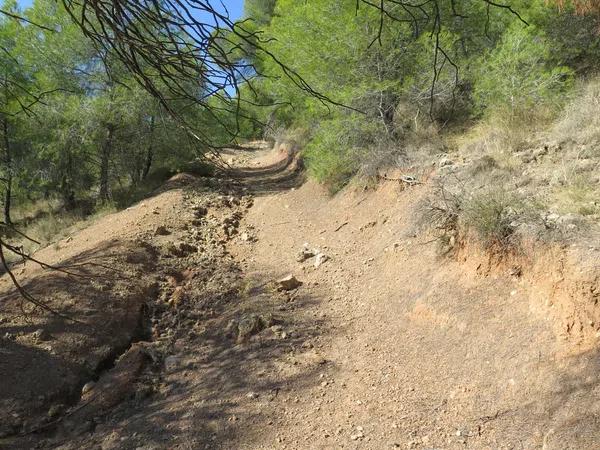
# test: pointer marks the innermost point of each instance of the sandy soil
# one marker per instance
(387, 344)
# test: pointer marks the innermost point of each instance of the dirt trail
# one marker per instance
(385, 345)
(422, 351)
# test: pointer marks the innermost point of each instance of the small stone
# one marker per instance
(87, 387)
(357, 436)
(161, 230)
(445, 161)
(289, 283)
(368, 225)
(516, 271)
(305, 253)
(320, 259)
(178, 297)
(252, 324)
(55, 410)
(252, 395)
(42, 335)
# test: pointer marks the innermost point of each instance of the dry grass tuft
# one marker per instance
(580, 120)
(50, 226)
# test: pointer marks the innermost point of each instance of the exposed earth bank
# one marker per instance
(179, 329)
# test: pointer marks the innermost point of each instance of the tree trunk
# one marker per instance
(66, 185)
(9, 172)
(104, 166)
(150, 152)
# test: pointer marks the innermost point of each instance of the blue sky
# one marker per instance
(235, 7)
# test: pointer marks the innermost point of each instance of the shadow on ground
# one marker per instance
(47, 357)
(282, 175)
(569, 407)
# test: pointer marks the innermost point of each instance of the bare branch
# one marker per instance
(25, 19)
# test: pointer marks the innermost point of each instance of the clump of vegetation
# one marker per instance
(331, 155)
(517, 82)
(579, 195)
(493, 215)
(580, 119)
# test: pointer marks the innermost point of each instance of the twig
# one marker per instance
(340, 227)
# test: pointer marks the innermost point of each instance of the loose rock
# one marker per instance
(42, 335)
(320, 259)
(161, 231)
(87, 387)
(289, 283)
(305, 254)
(55, 410)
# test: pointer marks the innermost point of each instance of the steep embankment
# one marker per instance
(386, 344)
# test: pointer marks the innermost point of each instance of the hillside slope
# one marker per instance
(386, 344)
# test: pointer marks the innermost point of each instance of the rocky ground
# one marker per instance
(254, 311)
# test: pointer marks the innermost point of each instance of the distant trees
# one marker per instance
(74, 123)
(17, 97)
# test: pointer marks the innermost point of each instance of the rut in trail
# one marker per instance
(386, 344)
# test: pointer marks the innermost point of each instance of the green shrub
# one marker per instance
(329, 162)
(340, 146)
(517, 79)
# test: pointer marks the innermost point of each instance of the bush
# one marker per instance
(330, 157)
(517, 79)
(492, 215)
(347, 144)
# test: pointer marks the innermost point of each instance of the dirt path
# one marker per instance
(422, 352)
(385, 345)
